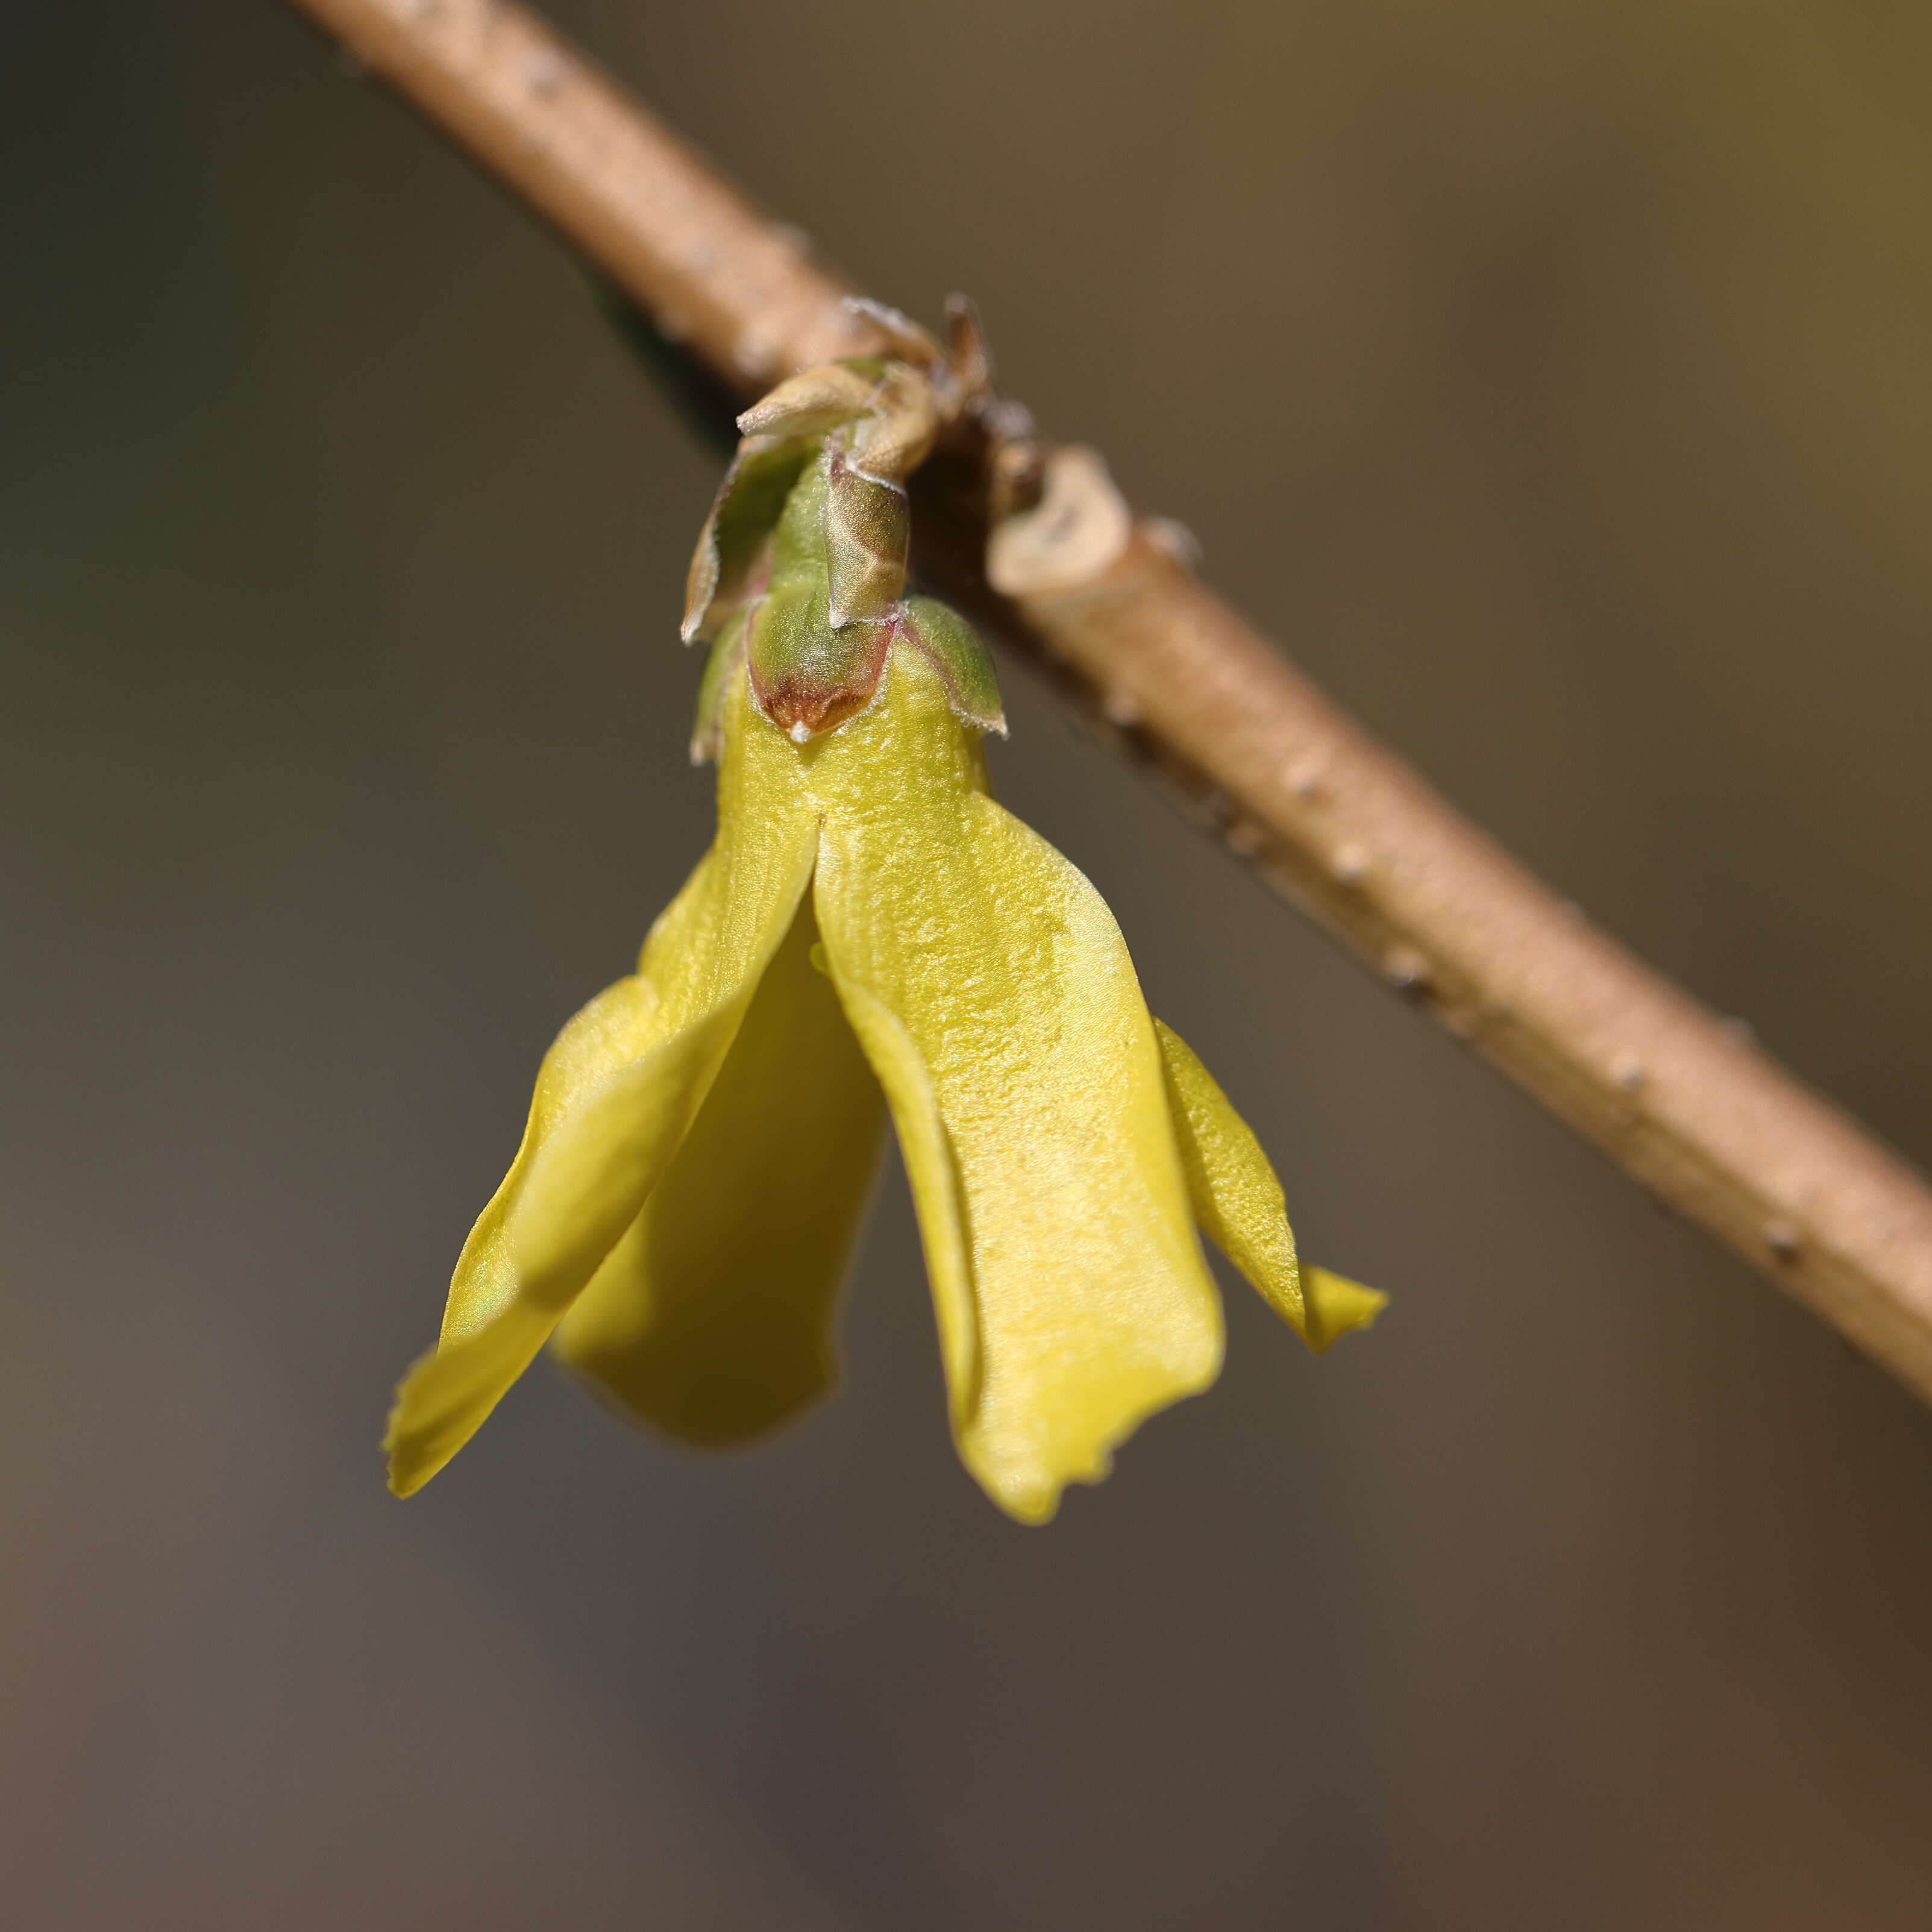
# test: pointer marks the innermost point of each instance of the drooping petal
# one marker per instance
(489, 1335)
(605, 1036)
(614, 1099)
(1016, 1020)
(935, 1179)
(591, 1177)
(711, 1319)
(1239, 1201)
(445, 1396)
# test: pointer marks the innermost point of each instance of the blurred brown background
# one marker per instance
(341, 545)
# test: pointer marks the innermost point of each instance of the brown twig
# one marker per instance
(1332, 819)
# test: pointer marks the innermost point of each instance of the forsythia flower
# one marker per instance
(869, 932)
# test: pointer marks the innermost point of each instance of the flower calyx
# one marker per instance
(799, 573)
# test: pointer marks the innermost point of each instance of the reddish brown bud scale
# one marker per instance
(815, 402)
(805, 694)
(895, 436)
(868, 539)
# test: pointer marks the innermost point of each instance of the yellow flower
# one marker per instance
(704, 1133)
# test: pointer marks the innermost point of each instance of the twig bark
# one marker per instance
(1333, 820)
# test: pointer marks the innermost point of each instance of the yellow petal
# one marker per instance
(1239, 1201)
(616, 1096)
(608, 1034)
(711, 1319)
(935, 1179)
(1337, 1304)
(1016, 1020)
(450, 1391)
(479, 1355)
(590, 1178)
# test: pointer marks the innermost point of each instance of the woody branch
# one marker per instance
(1334, 821)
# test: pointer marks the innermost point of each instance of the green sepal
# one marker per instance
(965, 666)
(734, 547)
(726, 655)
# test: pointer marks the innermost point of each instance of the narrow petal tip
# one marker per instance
(1337, 1305)
(403, 1483)
(407, 1467)
(445, 1397)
